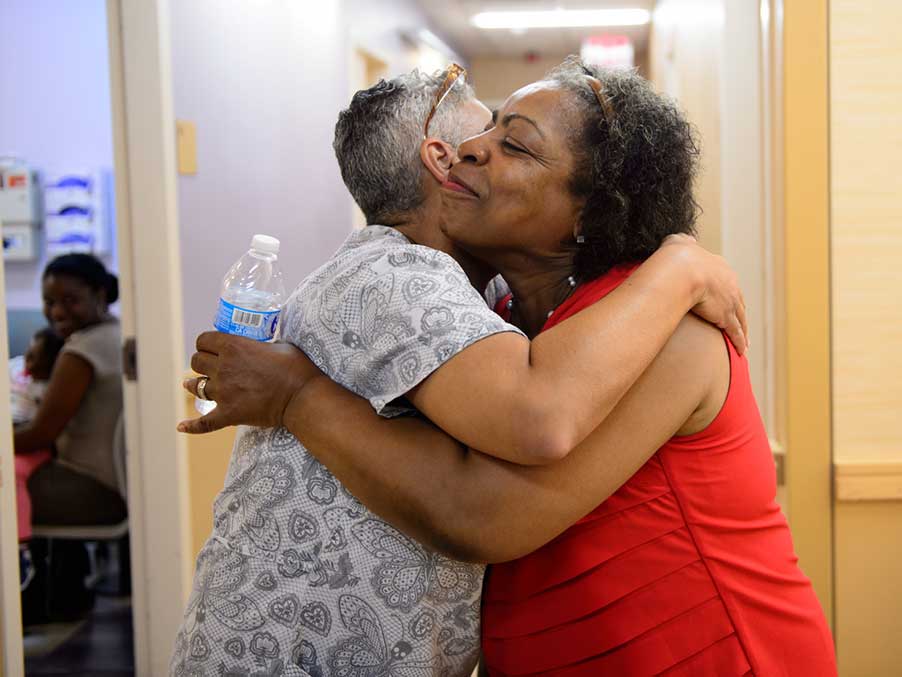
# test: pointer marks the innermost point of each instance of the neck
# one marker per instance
(538, 287)
(420, 229)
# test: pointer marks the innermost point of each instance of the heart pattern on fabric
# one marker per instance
(417, 287)
(302, 527)
(200, 649)
(265, 581)
(285, 610)
(317, 617)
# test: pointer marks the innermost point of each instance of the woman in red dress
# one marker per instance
(656, 546)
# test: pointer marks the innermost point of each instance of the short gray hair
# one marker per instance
(377, 140)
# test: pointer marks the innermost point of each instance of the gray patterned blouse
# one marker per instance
(298, 577)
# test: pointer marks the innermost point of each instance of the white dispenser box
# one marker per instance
(77, 213)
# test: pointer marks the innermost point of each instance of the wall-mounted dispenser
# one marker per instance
(77, 213)
(20, 209)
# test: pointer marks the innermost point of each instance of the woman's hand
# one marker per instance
(719, 298)
(251, 382)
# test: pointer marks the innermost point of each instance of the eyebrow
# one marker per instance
(510, 117)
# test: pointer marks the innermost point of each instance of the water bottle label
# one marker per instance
(253, 324)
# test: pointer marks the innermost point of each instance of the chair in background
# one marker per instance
(115, 533)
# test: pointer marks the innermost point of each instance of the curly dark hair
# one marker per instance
(637, 158)
(89, 270)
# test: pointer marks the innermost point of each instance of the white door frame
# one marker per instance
(147, 218)
(11, 655)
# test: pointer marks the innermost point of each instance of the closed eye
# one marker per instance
(510, 146)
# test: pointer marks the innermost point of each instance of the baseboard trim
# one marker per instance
(874, 481)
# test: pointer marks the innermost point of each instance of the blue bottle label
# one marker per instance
(259, 325)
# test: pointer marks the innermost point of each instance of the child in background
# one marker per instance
(28, 376)
(29, 373)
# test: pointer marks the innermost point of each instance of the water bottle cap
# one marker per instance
(265, 243)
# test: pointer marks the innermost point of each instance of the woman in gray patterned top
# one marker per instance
(298, 576)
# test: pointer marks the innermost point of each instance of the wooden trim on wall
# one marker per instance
(877, 481)
(806, 221)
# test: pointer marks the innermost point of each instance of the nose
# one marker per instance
(474, 150)
(55, 312)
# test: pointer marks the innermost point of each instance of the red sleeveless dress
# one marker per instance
(688, 569)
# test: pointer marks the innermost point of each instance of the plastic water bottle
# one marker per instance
(251, 300)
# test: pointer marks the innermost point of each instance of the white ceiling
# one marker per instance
(451, 18)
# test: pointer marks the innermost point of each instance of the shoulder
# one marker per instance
(695, 348)
(379, 260)
(103, 332)
(99, 345)
(697, 360)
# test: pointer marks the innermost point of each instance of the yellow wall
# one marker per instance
(496, 78)
(866, 201)
(866, 146)
(869, 588)
(208, 459)
(806, 219)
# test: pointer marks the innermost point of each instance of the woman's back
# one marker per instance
(687, 569)
(86, 443)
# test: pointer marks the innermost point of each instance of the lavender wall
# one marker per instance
(264, 83)
(54, 100)
(264, 89)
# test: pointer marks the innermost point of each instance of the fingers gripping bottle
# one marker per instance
(251, 300)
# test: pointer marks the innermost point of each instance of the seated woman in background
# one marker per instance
(75, 482)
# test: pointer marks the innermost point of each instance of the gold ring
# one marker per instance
(202, 388)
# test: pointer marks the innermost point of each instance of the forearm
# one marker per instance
(31, 438)
(468, 505)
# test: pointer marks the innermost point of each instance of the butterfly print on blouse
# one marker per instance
(407, 573)
(373, 650)
(220, 574)
(248, 502)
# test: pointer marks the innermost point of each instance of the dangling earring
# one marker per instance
(580, 239)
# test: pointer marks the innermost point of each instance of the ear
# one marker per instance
(437, 157)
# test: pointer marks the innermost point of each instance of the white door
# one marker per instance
(150, 274)
(150, 277)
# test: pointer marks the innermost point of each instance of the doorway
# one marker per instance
(134, 100)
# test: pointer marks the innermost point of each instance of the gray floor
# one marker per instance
(98, 646)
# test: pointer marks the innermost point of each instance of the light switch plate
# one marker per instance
(186, 143)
